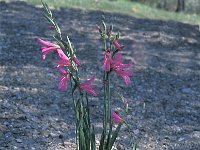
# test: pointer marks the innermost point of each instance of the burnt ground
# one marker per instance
(164, 96)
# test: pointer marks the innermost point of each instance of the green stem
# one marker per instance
(109, 108)
(88, 120)
(75, 111)
(105, 93)
(88, 110)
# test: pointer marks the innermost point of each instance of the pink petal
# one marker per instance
(117, 45)
(62, 62)
(46, 51)
(61, 70)
(116, 117)
(88, 87)
(63, 81)
(106, 65)
(107, 61)
(127, 80)
(63, 84)
(88, 82)
(77, 61)
(44, 55)
(89, 90)
(49, 49)
(47, 43)
(62, 54)
(118, 58)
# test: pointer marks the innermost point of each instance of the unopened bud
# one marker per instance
(77, 61)
(104, 25)
(99, 29)
(117, 36)
(108, 50)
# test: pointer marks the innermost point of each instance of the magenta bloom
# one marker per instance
(64, 78)
(117, 45)
(88, 87)
(122, 69)
(77, 61)
(63, 62)
(116, 117)
(107, 61)
(48, 47)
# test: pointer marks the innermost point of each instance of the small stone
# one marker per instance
(18, 140)
(45, 127)
(181, 139)
(196, 134)
(187, 90)
(52, 134)
(136, 131)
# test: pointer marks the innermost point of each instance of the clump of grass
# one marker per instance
(124, 7)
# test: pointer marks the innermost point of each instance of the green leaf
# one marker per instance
(108, 146)
(59, 42)
(93, 141)
(49, 19)
(101, 146)
(47, 9)
(57, 28)
(115, 134)
(86, 130)
(104, 25)
(70, 46)
(82, 139)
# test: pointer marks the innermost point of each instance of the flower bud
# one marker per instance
(99, 29)
(76, 61)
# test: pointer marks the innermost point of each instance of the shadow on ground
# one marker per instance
(164, 96)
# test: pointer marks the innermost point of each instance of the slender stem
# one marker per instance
(88, 110)
(109, 107)
(105, 89)
(105, 107)
(75, 111)
(88, 119)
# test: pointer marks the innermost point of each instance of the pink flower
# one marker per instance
(122, 69)
(77, 61)
(63, 62)
(64, 78)
(117, 45)
(48, 47)
(116, 117)
(88, 87)
(107, 61)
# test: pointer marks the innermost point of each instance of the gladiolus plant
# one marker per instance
(68, 66)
